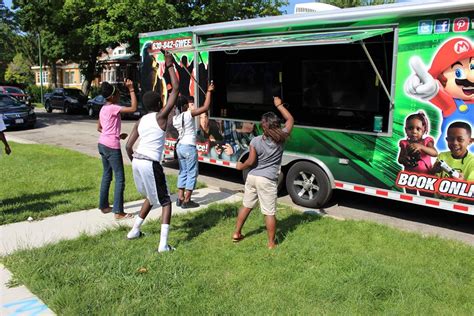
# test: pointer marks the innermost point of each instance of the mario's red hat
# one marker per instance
(455, 49)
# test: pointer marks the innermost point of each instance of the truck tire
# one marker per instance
(48, 107)
(308, 185)
(90, 112)
(66, 109)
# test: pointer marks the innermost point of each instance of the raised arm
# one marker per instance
(133, 97)
(131, 140)
(162, 117)
(289, 121)
(207, 102)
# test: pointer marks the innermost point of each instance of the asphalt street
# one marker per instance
(78, 132)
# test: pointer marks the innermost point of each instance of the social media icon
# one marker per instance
(461, 25)
(441, 26)
(425, 27)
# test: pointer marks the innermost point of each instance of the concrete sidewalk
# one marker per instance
(26, 235)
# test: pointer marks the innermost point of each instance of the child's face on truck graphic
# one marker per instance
(458, 140)
(460, 79)
(414, 130)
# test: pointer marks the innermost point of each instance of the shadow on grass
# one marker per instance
(37, 202)
(206, 220)
(286, 225)
(202, 222)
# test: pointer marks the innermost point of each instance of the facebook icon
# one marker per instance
(442, 26)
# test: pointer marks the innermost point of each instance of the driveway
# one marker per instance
(78, 132)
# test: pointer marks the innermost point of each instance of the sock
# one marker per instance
(135, 231)
(165, 228)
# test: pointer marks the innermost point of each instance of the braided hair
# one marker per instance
(272, 128)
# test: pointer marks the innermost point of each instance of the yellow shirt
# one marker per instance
(464, 165)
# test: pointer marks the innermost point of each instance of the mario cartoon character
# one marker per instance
(448, 84)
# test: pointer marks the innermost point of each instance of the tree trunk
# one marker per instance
(54, 74)
(89, 72)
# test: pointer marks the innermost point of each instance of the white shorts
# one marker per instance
(150, 181)
(261, 189)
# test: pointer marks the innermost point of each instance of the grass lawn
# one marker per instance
(42, 180)
(322, 266)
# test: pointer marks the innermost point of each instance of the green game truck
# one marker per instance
(382, 96)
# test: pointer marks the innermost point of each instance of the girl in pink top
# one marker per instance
(109, 126)
(418, 148)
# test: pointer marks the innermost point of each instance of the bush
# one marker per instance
(35, 92)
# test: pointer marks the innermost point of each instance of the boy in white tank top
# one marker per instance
(147, 171)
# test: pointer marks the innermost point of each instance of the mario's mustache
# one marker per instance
(464, 82)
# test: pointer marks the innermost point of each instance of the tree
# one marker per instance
(39, 18)
(355, 3)
(79, 30)
(196, 12)
(7, 37)
(19, 71)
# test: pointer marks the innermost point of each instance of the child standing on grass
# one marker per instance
(147, 171)
(109, 126)
(186, 148)
(261, 184)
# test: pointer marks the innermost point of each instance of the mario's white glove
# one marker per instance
(421, 84)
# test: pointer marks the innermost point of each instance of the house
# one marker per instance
(116, 64)
(68, 75)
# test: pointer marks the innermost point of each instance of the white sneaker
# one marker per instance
(134, 234)
(167, 248)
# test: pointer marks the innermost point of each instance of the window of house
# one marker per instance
(45, 77)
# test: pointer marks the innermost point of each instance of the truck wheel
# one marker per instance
(90, 111)
(308, 185)
(48, 107)
(66, 109)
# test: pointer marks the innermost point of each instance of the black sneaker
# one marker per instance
(179, 202)
(189, 204)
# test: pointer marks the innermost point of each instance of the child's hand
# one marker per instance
(228, 149)
(123, 135)
(129, 84)
(415, 147)
(210, 87)
(169, 60)
(277, 101)
(239, 166)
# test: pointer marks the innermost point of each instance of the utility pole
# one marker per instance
(41, 68)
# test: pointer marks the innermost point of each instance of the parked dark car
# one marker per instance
(67, 100)
(95, 104)
(17, 93)
(15, 113)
